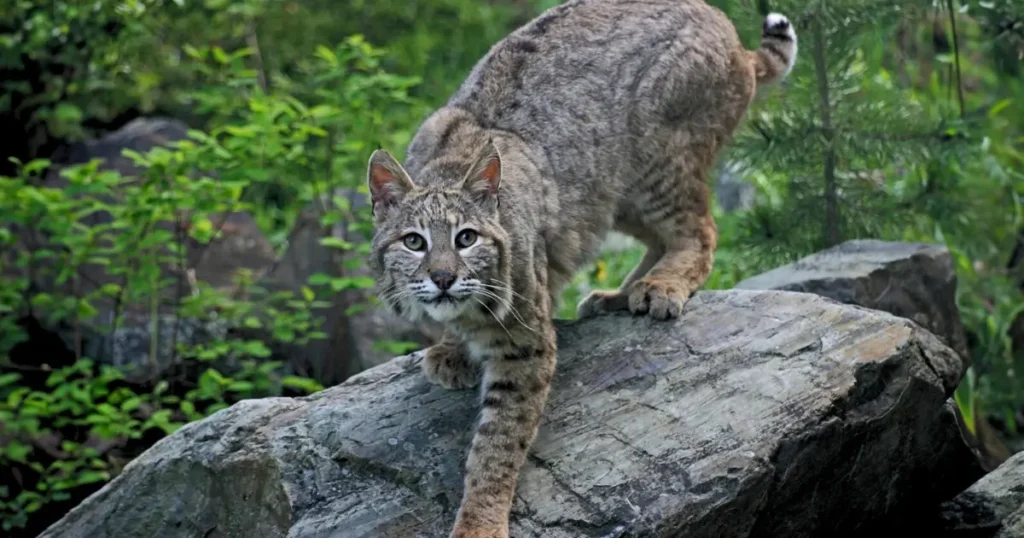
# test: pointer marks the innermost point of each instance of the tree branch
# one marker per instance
(956, 55)
(832, 236)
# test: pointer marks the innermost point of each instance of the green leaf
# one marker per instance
(241, 386)
(302, 383)
(67, 113)
(347, 283)
(137, 158)
(319, 279)
(56, 377)
(215, 376)
(86, 310)
(97, 419)
(188, 408)
(219, 55)
(336, 242)
(91, 477)
(131, 404)
(193, 52)
(327, 55)
(256, 348)
(35, 166)
(998, 107)
(17, 451)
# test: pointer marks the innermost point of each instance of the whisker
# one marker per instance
(391, 297)
(503, 287)
(508, 304)
(493, 315)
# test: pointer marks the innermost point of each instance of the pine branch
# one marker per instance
(252, 40)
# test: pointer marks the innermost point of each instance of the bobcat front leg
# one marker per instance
(515, 389)
(447, 364)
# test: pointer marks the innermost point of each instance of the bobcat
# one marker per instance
(597, 115)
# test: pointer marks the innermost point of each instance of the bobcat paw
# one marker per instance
(659, 299)
(601, 301)
(448, 366)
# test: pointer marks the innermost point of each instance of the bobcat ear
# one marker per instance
(484, 176)
(387, 180)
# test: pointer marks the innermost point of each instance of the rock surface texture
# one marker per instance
(911, 280)
(916, 281)
(758, 413)
(994, 506)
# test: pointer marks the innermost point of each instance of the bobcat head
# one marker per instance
(438, 248)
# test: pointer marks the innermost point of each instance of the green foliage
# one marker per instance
(101, 409)
(139, 231)
(37, 49)
(871, 138)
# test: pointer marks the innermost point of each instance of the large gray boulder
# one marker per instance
(916, 281)
(994, 506)
(758, 413)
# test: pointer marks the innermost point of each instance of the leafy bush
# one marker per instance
(286, 125)
(138, 230)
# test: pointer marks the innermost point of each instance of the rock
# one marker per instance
(618, 242)
(733, 192)
(1013, 526)
(758, 413)
(911, 280)
(993, 506)
(140, 134)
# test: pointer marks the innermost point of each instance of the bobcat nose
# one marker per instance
(443, 279)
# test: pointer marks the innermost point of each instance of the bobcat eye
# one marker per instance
(465, 239)
(414, 242)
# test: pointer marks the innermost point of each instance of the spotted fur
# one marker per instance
(597, 115)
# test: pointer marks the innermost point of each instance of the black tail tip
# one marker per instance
(776, 24)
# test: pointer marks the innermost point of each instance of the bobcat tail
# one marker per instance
(775, 58)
